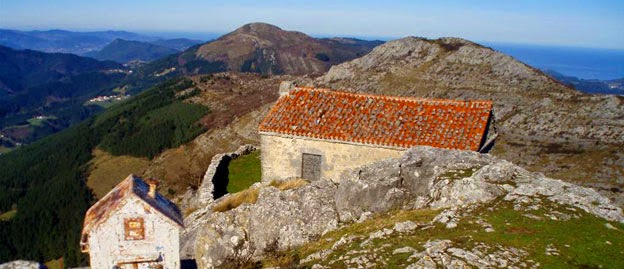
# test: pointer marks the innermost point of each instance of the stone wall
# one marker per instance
(107, 244)
(281, 156)
(206, 192)
(201, 201)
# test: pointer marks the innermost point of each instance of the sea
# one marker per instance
(585, 63)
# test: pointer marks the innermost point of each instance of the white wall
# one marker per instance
(281, 156)
(107, 244)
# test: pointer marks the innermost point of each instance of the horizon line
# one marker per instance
(216, 34)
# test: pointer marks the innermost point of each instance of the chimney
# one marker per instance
(153, 184)
(285, 87)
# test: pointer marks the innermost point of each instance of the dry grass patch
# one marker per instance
(289, 184)
(6, 216)
(106, 170)
(249, 196)
(54, 264)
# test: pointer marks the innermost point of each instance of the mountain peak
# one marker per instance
(440, 67)
(258, 27)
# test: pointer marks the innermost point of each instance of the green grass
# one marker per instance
(8, 215)
(244, 172)
(4, 149)
(121, 90)
(586, 238)
(39, 122)
(581, 242)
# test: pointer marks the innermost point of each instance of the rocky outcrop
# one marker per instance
(442, 252)
(424, 177)
(304, 214)
(277, 221)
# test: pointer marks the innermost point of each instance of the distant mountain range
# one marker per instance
(594, 86)
(80, 42)
(53, 86)
(123, 51)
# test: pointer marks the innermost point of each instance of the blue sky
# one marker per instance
(557, 22)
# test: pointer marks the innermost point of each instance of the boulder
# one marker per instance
(277, 221)
(373, 188)
(224, 239)
(284, 219)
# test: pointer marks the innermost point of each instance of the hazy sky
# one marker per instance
(589, 23)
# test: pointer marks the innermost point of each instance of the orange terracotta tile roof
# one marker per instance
(132, 185)
(390, 121)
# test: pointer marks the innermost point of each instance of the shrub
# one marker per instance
(322, 56)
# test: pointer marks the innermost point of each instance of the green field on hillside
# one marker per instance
(244, 172)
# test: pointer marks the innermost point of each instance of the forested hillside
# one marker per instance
(45, 182)
(41, 93)
(123, 51)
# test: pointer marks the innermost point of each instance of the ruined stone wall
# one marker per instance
(205, 193)
(282, 156)
(108, 245)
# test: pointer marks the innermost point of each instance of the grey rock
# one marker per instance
(373, 188)
(21, 264)
(499, 172)
(366, 215)
(344, 241)
(293, 217)
(277, 221)
(403, 250)
(443, 253)
(403, 227)
(587, 199)
(321, 255)
(224, 239)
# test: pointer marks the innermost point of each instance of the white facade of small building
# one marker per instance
(108, 247)
(282, 156)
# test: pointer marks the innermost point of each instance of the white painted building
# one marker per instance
(133, 226)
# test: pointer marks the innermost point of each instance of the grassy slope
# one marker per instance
(583, 242)
(107, 170)
(244, 171)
